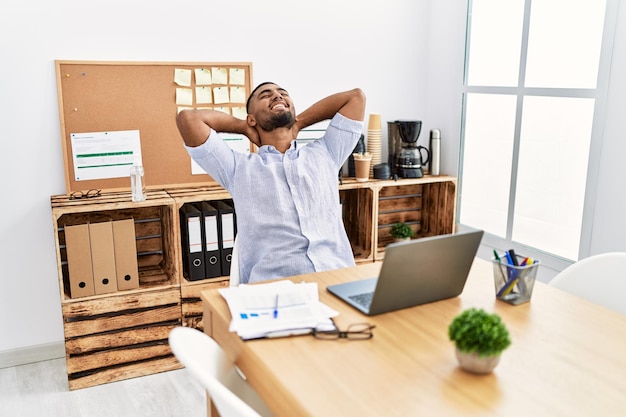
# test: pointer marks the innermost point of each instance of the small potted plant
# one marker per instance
(401, 231)
(479, 338)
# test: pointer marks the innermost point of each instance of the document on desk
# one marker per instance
(276, 309)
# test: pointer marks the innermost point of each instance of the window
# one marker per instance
(534, 91)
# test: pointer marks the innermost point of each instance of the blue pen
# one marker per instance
(510, 271)
(276, 307)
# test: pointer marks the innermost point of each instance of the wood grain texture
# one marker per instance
(567, 358)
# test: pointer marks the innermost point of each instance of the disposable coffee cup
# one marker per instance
(362, 164)
(374, 122)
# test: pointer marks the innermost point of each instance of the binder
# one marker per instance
(78, 251)
(228, 232)
(191, 242)
(210, 240)
(103, 257)
(125, 246)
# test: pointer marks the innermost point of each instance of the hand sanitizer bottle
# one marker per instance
(136, 181)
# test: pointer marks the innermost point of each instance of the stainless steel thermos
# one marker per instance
(435, 151)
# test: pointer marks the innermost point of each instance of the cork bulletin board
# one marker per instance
(141, 99)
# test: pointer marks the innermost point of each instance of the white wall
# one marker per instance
(312, 50)
(407, 55)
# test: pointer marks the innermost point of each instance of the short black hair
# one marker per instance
(254, 91)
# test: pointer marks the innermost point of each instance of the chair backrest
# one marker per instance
(599, 278)
(207, 362)
(234, 265)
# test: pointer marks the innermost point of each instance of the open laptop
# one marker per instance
(414, 272)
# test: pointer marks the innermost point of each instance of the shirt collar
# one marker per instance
(271, 149)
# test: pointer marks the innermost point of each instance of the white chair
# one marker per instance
(234, 265)
(231, 395)
(599, 278)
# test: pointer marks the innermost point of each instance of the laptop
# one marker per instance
(414, 272)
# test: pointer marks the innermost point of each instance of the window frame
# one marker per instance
(599, 94)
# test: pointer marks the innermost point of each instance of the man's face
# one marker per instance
(272, 108)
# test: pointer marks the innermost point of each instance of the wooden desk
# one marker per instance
(567, 358)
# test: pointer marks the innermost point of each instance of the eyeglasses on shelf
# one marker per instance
(78, 195)
(355, 331)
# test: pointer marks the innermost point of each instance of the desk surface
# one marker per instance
(567, 358)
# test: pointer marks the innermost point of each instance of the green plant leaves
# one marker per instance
(475, 330)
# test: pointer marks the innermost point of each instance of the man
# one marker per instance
(286, 196)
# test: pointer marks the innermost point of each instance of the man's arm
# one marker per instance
(195, 126)
(350, 104)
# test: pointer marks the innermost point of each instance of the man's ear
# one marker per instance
(250, 120)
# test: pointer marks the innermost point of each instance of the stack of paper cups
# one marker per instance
(374, 140)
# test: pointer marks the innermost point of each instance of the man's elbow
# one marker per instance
(190, 127)
(355, 108)
(183, 120)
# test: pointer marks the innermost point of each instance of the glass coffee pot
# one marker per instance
(410, 159)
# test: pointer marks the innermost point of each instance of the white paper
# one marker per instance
(278, 308)
(99, 155)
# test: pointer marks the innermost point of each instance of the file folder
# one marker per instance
(210, 240)
(191, 242)
(103, 257)
(125, 246)
(78, 251)
(228, 232)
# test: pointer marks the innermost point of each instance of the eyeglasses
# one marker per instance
(77, 195)
(355, 331)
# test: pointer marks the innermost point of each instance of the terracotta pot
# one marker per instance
(475, 364)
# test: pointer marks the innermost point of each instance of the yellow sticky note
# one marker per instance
(240, 112)
(184, 96)
(220, 95)
(203, 76)
(237, 95)
(219, 75)
(237, 76)
(222, 109)
(182, 77)
(203, 95)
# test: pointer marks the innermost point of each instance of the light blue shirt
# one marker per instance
(287, 205)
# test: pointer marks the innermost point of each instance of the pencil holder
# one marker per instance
(514, 283)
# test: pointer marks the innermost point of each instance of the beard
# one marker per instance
(284, 119)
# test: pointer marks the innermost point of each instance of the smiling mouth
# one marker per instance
(279, 106)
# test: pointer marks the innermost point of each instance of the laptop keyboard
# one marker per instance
(364, 299)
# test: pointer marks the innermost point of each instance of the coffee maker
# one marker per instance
(405, 156)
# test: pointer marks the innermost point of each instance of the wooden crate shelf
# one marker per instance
(155, 230)
(357, 208)
(190, 300)
(120, 336)
(428, 204)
